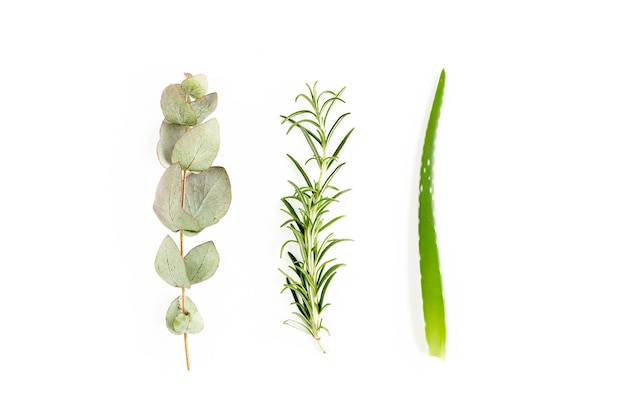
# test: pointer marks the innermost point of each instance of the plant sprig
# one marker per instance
(191, 195)
(312, 269)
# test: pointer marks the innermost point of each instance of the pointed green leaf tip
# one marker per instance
(432, 289)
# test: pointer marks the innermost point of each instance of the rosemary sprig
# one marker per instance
(311, 269)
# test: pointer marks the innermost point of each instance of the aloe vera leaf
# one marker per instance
(432, 289)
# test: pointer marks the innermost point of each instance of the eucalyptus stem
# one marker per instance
(185, 335)
(182, 254)
(186, 351)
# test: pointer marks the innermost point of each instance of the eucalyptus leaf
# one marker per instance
(201, 262)
(170, 265)
(178, 322)
(175, 106)
(196, 324)
(196, 85)
(169, 135)
(168, 202)
(196, 150)
(204, 106)
(208, 196)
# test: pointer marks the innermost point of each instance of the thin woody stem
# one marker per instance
(181, 235)
(319, 343)
(182, 254)
(187, 353)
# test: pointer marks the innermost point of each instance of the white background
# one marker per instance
(529, 193)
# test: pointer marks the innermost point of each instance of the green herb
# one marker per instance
(432, 289)
(191, 195)
(311, 269)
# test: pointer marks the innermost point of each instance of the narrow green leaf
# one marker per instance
(341, 144)
(196, 85)
(196, 150)
(208, 195)
(175, 107)
(316, 154)
(296, 298)
(330, 272)
(431, 283)
(168, 202)
(300, 326)
(201, 262)
(291, 211)
(331, 175)
(330, 222)
(336, 124)
(169, 264)
(302, 171)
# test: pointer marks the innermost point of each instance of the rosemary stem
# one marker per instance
(319, 343)
(312, 273)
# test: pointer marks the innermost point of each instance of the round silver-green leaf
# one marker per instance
(178, 322)
(175, 106)
(204, 106)
(168, 202)
(170, 265)
(196, 86)
(169, 135)
(201, 262)
(208, 195)
(196, 150)
(196, 323)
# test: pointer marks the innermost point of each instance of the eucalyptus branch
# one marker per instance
(310, 272)
(191, 195)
